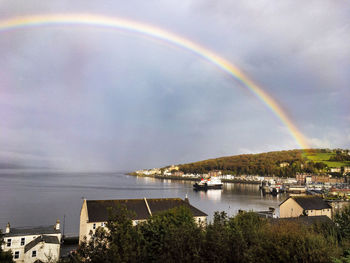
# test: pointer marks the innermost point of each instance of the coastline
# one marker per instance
(194, 179)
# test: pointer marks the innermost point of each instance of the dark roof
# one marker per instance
(26, 231)
(160, 205)
(304, 220)
(310, 202)
(97, 209)
(42, 238)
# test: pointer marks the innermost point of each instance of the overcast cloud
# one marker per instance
(90, 98)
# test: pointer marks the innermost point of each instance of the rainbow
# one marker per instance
(168, 37)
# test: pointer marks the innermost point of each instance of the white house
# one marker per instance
(295, 206)
(335, 169)
(36, 244)
(94, 213)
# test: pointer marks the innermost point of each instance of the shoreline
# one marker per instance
(193, 179)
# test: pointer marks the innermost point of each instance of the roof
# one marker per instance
(27, 231)
(98, 212)
(304, 220)
(310, 202)
(42, 238)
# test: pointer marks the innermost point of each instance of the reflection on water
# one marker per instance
(211, 194)
(39, 198)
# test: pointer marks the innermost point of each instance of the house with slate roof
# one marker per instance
(34, 244)
(295, 206)
(94, 213)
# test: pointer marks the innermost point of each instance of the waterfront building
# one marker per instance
(214, 173)
(346, 169)
(335, 169)
(35, 244)
(178, 173)
(94, 213)
(295, 206)
(268, 213)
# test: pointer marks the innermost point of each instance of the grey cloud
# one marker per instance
(87, 98)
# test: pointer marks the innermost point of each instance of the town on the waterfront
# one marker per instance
(308, 199)
(192, 131)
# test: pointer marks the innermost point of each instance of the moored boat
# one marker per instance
(210, 183)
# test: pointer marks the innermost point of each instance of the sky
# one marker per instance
(91, 98)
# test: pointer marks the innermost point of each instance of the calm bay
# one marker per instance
(32, 198)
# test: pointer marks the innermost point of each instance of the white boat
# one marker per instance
(210, 183)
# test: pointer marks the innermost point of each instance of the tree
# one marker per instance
(172, 236)
(5, 257)
(123, 238)
(342, 219)
(120, 243)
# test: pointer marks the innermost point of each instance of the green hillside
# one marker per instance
(278, 163)
(324, 157)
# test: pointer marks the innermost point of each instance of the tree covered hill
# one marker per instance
(278, 163)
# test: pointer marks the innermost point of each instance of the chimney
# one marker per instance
(186, 199)
(7, 228)
(57, 225)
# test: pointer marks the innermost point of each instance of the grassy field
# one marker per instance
(324, 157)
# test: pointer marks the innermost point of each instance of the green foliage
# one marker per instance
(5, 257)
(121, 243)
(309, 161)
(344, 259)
(124, 239)
(174, 236)
(342, 219)
(331, 158)
(340, 157)
(257, 164)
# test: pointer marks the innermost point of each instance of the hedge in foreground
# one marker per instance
(173, 236)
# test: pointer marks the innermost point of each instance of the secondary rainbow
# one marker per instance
(159, 34)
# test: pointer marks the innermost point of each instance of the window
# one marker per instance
(23, 241)
(16, 255)
(8, 244)
(102, 224)
(94, 226)
(33, 253)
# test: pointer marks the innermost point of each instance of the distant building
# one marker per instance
(173, 167)
(37, 244)
(94, 213)
(178, 173)
(214, 173)
(152, 171)
(296, 206)
(301, 177)
(284, 164)
(347, 169)
(335, 170)
(268, 213)
(308, 179)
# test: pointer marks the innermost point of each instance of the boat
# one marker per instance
(210, 183)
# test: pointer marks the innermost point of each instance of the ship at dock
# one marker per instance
(210, 183)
